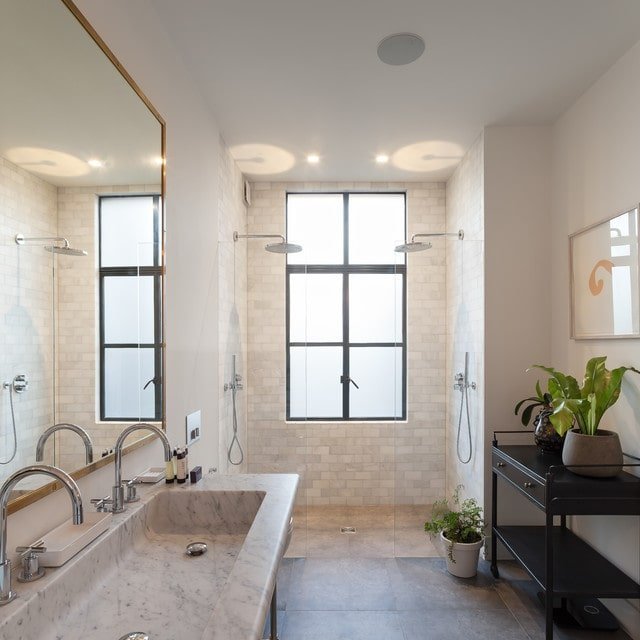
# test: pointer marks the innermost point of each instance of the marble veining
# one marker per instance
(138, 577)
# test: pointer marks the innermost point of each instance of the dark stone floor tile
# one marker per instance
(425, 583)
(462, 623)
(342, 584)
(342, 625)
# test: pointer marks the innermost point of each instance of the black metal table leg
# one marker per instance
(548, 578)
(273, 633)
(494, 524)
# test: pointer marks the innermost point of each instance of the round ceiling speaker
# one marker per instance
(400, 48)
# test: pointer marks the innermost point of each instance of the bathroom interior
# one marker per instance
(326, 273)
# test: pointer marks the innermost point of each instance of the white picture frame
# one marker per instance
(605, 296)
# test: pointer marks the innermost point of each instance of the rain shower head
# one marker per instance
(63, 249)
(274, 247)
(414, 245)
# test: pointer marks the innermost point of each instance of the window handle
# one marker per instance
(155, 380)
(347, 379)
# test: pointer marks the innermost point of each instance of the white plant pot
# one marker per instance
(465, 556)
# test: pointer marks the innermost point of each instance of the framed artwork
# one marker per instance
(604, 279)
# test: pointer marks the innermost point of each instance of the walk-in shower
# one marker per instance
(52, 244)
(415, 245)
(274, 247)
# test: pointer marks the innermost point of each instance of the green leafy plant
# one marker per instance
(541, 399)
(587, 404)
(462, 524)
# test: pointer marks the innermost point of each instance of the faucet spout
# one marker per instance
(59, 427)
(6, 594)
(118, 490)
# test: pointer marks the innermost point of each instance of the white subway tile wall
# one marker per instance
(350, 463)
(465, 317)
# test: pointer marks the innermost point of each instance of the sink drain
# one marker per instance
(347, 529)
(135, 635)
(196, 549)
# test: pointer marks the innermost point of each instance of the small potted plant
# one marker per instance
(545, 435)
(587, 444)
(461, 529)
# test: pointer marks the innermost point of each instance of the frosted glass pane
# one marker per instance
(375, 307)
(126, 231)
(126, 372)
(128, 309)
(315, 221)
(378, 373)
(315, 307)
(315, 390)
(376, 226)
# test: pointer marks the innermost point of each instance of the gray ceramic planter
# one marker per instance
(603, 448)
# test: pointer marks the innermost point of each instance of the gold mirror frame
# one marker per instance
(35, 495)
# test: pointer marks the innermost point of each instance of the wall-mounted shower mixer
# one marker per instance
(460, 383)
(235, 385)
(19, 384)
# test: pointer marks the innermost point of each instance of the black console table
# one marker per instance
(563, 565)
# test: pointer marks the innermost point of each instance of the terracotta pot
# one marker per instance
(465, 556)
(545, 435)
(602, 448)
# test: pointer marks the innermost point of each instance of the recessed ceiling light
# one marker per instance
(313, 158)
(382, 158)
(95, 163)
(400, 48)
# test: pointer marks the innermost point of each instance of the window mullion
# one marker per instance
(346, 385)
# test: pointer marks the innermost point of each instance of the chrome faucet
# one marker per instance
(6, 594)
(117, 494)
(42, 440)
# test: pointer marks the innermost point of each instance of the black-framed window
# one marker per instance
(346, 299)
(130, 292)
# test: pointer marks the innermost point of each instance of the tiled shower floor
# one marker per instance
(381, 532)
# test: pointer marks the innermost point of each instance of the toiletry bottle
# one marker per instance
(181, 471)
(169, 472)
(186, 462)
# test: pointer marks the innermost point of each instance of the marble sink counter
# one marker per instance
(137, 577)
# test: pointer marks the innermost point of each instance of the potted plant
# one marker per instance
(545, 435)
(587, 444)
(462, 530)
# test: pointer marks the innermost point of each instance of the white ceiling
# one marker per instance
(63, 103)
(302, 76)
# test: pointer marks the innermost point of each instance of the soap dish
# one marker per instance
(151, 475)
(63, 542)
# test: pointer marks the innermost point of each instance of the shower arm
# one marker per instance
(237, 236)
(459, 234)
(20, 239)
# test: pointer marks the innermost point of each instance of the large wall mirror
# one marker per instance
(81, 244)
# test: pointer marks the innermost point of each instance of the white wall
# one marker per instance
(596, 168)
(517, 165)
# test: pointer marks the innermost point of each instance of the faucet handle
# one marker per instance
(31, 569)
(132, 492)
(102, 504)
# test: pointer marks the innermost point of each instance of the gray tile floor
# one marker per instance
(386, 598)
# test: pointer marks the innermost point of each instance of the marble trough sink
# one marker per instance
(138, 576)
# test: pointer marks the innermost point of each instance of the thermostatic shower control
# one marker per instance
(19, 384)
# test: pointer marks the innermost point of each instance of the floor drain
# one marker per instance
(347, 529)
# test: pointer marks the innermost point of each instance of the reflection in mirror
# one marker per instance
(80, 244)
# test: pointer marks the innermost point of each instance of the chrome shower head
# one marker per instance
(274, 247)
(62, 248)
(283, 247)
(413, 245)
(65, 251)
